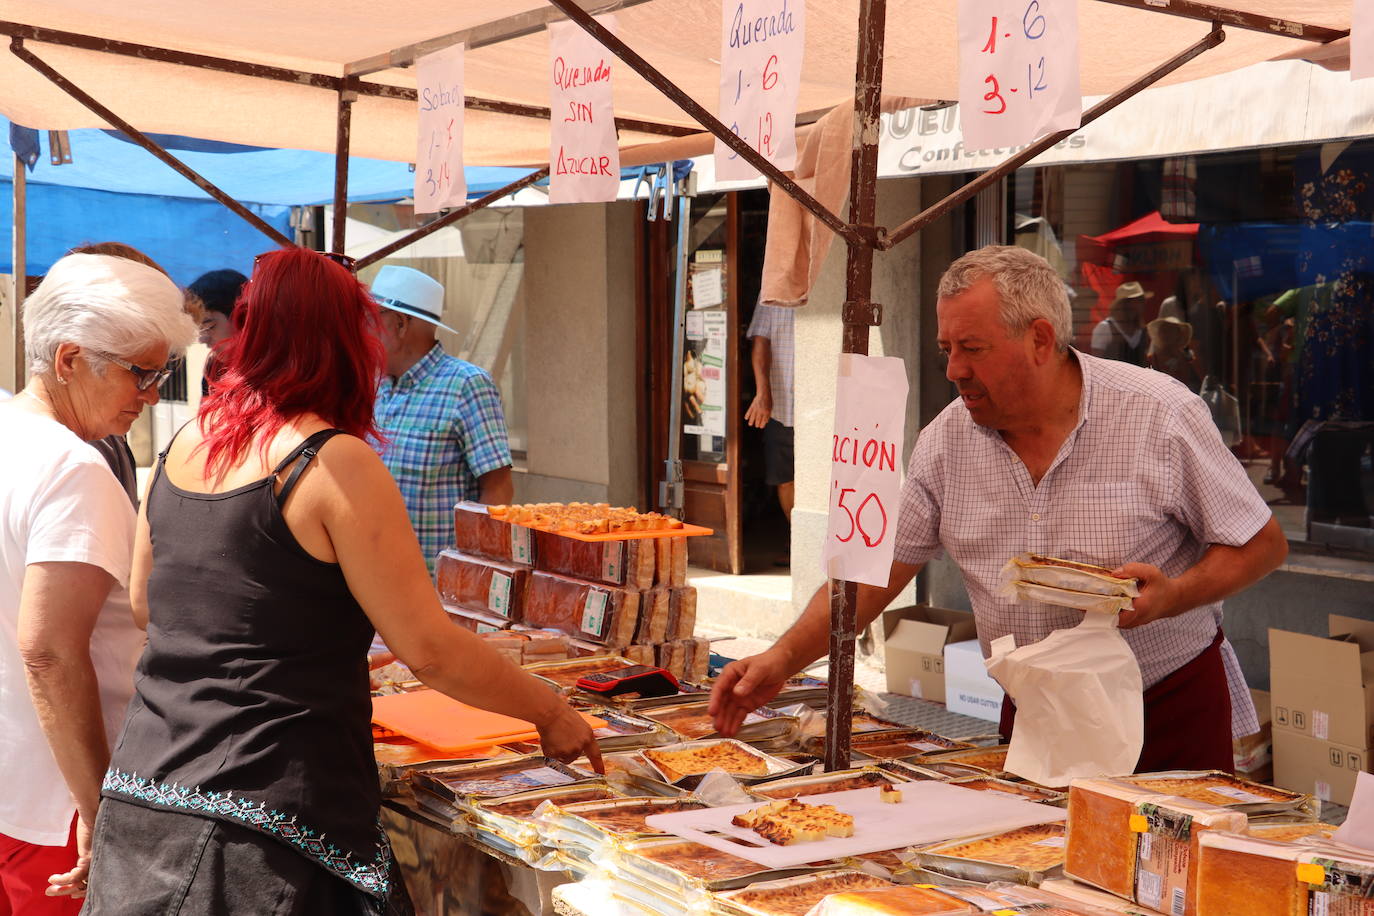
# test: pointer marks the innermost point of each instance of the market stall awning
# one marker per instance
(680, 37)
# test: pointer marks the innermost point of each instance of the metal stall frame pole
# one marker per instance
(453, 216)
(859, 314)
(342, 135)
(17, 48)
(19, 267)
(889, 238)
(670, 490)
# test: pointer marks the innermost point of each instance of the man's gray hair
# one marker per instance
(106, 303)
(1027, 288)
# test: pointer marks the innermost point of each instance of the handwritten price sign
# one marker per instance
(439, 178)
(760, 77)
(865, 468)
(1362, 40)
(584, 158)
(1018, 70)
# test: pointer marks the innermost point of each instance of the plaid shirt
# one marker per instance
(444, 428)
(776, 323)
(1144, 477)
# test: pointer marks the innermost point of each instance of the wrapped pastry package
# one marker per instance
(1101, 848)
(477, 533)
(1143, 848)
(1244, 876)
(654, 606)
(596, 613)
(1061, 597)
(481, 584)
(1068, 575)
(629, 562)
(479, 622)
(682, 612)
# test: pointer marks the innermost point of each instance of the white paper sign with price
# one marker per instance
(1018, 70)
(584, 156)
(761, 46)
(439, 180)
(865, 468)
(1362, 40)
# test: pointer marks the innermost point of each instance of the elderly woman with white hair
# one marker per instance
(99, 334)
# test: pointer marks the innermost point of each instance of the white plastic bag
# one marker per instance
(1079, 706)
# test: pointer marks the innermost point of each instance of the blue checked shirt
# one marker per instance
(444, 428)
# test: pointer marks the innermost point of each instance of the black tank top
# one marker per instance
(251, 700)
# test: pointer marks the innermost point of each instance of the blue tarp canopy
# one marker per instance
(114, 190)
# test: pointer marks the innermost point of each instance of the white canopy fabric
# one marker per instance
(680, 37)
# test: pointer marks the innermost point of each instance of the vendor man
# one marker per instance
(445, 432)
(1052, 451)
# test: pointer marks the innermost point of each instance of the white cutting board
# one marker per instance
(929, 812)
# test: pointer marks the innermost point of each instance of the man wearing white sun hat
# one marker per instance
(441, 416)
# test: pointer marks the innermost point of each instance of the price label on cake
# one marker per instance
(520, 551)
(547, 776)
(1239, 795)
(613, 561)
(487, 628)
(498, 594)
(594, 612)
(1055, 842)
(927, 746)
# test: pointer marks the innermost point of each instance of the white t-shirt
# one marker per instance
(59, 502)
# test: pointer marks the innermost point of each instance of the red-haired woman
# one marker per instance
(271, 543)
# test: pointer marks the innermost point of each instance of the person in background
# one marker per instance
(1051, 451)
(244, 780)
(115, 449)
(1120, 335)
(443, 432)
(215, 292)
(98, 334)
(771, 353)
(1170, 350)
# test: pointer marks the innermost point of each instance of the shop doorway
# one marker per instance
(722, 458)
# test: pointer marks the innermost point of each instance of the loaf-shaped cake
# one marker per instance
(682, 612)
(654, 606)
(601, 614)
(1244, 876)
(480, 583)
(477, 533)
(476, 621)
(629, 562)
(1101, 849)
(1166, 850)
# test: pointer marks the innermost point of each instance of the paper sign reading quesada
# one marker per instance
(866, 468)
(761, 46)
(584, 156)
(1018, 70)
(439, 180)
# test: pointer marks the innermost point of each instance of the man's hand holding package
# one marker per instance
(1160, 596)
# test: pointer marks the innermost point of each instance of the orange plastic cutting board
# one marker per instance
(447, 725)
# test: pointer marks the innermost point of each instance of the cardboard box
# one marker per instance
(914, 640)
(969, 689)
(1253, 754)
(1323, 688)
(1323, 768)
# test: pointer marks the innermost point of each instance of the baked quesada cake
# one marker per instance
(790, 821)
(1034, 849)
(820, 784)
(795, 896)
(694, 759)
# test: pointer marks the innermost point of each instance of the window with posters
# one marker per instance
(1249, 277)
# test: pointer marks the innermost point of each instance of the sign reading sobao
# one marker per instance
(439, 180)
(865, 468)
